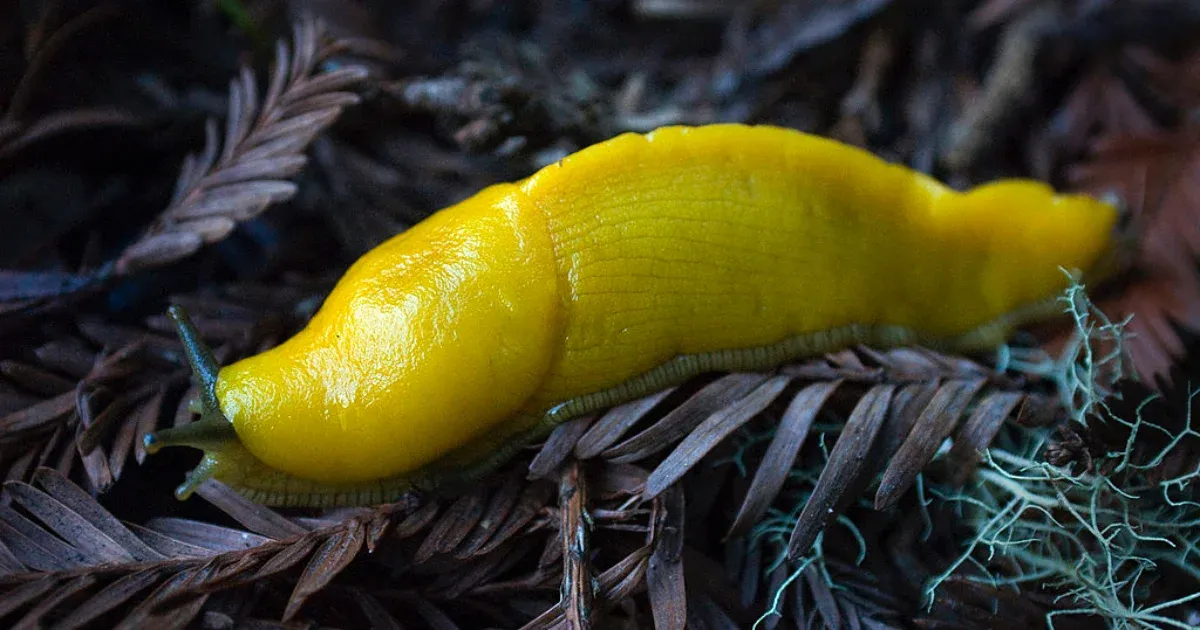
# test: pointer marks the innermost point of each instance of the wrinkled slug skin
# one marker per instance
(625, 255)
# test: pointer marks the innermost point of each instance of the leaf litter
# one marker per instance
(830, 491)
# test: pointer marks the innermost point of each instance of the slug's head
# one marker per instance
(226, 457)
(424, 350)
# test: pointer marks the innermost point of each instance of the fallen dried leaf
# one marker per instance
(712, 431)
(845, 465)
(334, 555)
(781, 455)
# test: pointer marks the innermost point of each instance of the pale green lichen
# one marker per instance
(1098, 540)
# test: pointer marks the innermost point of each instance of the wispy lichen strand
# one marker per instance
(1098, 537)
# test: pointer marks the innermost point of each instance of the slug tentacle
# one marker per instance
(213, 432)
(204, 367)
(207, 433)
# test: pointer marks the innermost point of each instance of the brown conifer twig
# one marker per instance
(236, 179)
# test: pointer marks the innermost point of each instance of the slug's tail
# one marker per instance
(1121, 255)
(212, 433)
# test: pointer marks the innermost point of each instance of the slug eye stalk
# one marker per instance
(212, 432)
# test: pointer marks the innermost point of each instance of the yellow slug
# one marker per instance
(627, 267)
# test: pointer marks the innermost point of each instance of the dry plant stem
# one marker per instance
(92, 545)
(618, 582)
(1008, 86)
(263, 147)
(575, 531)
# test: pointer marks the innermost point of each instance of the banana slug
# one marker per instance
(625, 268)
